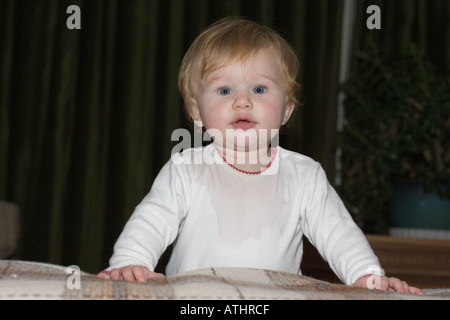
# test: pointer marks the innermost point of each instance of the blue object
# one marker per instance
(412, 207)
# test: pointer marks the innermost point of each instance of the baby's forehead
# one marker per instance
(263, 58)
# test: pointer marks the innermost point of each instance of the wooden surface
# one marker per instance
(421, 263)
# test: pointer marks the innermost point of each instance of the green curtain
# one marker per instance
(86, 115)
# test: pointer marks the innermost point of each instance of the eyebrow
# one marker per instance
(213, 79)
(267, 77)
(219, 77)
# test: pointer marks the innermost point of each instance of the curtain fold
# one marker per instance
(6, 56)
(87, 115)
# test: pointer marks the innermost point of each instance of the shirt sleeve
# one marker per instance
(155, 222)
(331, 229)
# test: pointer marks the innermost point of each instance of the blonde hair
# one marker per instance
(229, 40)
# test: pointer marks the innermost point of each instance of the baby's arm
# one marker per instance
(385, 283)
(130, 273)
(331, 229)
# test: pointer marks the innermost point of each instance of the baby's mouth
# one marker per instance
(243, 124)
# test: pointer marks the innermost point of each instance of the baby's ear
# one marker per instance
(290, 106)
(194, 112)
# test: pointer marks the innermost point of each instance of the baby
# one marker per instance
(243, 200)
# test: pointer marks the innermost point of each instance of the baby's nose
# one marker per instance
(242, 102)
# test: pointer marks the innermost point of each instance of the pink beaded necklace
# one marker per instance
(274, 154)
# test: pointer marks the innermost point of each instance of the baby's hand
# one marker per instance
(385, 283)
(130, 273)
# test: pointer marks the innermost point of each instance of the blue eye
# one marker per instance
(259, 90)
(224, 91)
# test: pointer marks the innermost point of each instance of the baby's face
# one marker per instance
(244, 102)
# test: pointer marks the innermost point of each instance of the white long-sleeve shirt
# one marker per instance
(220, 217)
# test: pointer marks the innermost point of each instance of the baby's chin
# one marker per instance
(252, 139)
(247, 146)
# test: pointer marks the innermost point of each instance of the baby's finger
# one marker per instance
(414, 290)
(404, 286)
(127, 274)
(139, 274)
(104, 275)
(398, 285)
(115, 274)
(383, 283)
